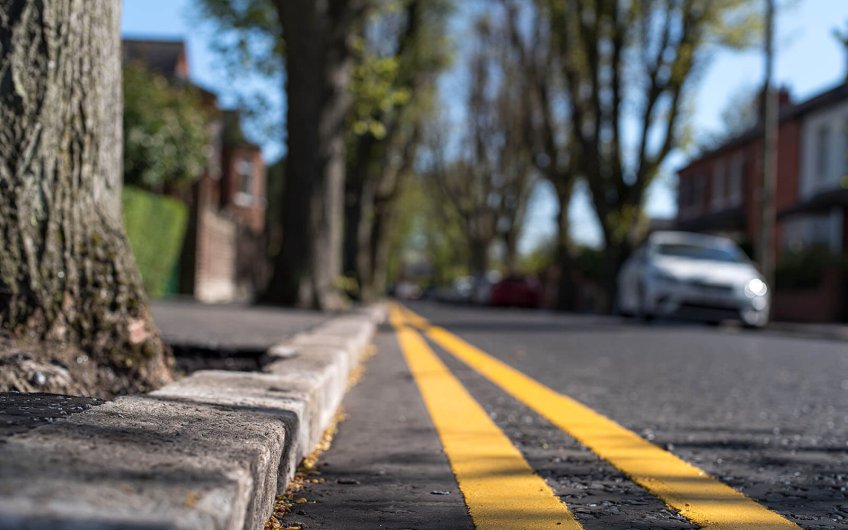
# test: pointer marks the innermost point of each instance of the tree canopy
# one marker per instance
(628, 67)
(165, 131)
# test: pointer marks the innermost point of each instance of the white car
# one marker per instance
(693, 275)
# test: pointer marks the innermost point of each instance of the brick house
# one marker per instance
(224, 256)
(719, 192)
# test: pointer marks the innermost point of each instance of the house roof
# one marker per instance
(164, 57)
(829, 97)
(825, 99)
(160, 56)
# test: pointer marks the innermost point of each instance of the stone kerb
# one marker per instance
(209, 451)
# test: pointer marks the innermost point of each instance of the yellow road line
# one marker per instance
(500, 488)
(698, 496)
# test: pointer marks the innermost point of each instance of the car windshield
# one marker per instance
(726, 254)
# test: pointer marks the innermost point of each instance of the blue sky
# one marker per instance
(809, 60)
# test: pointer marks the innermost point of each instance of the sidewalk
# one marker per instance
(188, 323)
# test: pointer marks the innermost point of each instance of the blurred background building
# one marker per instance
(719, 190)
(222, 254)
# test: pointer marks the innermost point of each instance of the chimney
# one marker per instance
(784, 100)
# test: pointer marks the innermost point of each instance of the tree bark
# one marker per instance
(566, 288)
(318, 70)
(478, 255)
(358, 199)
(378, 250)
(66, 270)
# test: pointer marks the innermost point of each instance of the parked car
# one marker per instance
(459, 292)
(407, 291)
(516, 291)
(482, 293)
(694, 275)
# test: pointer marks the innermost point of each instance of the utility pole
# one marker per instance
(765, 247)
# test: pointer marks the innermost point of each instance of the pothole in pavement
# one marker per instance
(191, 358)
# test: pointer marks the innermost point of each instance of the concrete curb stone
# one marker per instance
(210, 451)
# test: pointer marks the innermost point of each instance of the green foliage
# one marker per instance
(165, 131)
(156, 227)
(424, 229)
(588, 262)
(736, 24)
(247, 34)
(386, 81)
(538, 260)
(246, 37)
(375, 86)
(805, 269)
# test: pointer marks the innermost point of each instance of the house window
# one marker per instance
(822, 154)
(244, 179)
(244, 169)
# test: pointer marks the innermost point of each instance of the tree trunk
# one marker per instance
(566, 289)
(66, 270)
(378, 249)
(614, 257)
(318, 69)
(364, 237)
(509, 238)
(478, 255)
(358, 199)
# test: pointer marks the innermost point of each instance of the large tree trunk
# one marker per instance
(66, 270)
(358, 199)
(510, 241)
(365, 263)
(478, 256)
(567, 288)
(615, 254)
(378, 248)
(318, 68)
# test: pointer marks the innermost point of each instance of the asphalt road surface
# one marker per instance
(521, 419)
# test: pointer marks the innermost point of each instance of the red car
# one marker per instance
(516, 291)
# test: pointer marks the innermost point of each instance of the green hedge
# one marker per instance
(805, 269)
(156, 227)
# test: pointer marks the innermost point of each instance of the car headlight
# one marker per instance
(756, 288)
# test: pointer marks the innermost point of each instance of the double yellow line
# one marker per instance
(501, 489)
